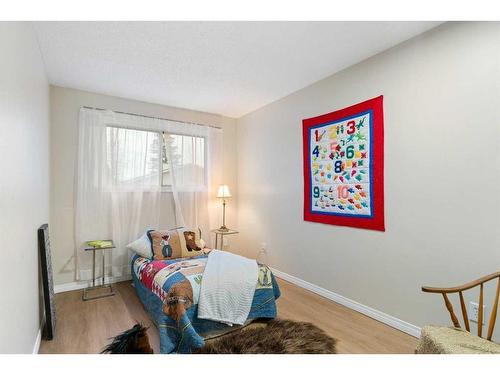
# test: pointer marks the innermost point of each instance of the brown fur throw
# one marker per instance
(276, 337)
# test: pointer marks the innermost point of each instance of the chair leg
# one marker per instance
(450, 310)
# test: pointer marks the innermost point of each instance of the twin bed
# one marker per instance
(170, 292)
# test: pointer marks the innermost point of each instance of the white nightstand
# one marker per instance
(222, 233)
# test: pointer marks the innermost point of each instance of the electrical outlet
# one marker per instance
(474, 311)
(263, 247)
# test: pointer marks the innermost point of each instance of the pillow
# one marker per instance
(201, 243)
(165, 244)
(190, 242)
(176, 243)
(142, 246)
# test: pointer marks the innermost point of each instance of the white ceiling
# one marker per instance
(229, 68)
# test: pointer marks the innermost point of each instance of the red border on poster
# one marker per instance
(376, 222)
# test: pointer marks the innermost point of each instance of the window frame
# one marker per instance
(164, 187)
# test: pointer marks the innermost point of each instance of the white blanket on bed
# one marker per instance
(227, 288)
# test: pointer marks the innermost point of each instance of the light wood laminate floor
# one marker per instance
(85, 327)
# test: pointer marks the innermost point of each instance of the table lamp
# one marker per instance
(223, 193)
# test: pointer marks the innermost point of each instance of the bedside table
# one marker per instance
(103, 286)
(222, 233)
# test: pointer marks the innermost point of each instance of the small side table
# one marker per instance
(222, 233)
(110, 291)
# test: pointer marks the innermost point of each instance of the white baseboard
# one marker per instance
(38, 339)
(392, 321)
(75, 285)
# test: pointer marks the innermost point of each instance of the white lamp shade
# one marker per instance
(223, 192)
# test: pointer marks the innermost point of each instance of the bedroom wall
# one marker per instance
(64, 109)
(24, 183)
(442, 171)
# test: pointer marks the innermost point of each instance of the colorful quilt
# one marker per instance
(170, 289)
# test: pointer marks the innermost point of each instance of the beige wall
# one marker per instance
(24, 183)
(64, 109)
(442, 171)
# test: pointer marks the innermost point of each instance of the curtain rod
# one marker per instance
(155, 118)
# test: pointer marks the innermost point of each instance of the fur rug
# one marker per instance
(274, 337)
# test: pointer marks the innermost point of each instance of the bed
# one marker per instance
(162, 284)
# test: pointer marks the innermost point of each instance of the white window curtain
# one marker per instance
(121, 188)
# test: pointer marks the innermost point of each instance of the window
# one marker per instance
(188, 155)
(136, 157)
(132, 156)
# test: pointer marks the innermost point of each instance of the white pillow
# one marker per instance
(142, 246)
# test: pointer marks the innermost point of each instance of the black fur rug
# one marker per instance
(274, 337)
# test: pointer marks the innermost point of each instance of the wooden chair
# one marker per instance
(459, 290)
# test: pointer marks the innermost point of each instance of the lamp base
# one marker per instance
(223, 228)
